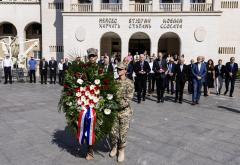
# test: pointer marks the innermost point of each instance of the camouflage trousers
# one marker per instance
(120, 127)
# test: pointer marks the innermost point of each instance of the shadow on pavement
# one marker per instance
(229, 109)
(66, 141)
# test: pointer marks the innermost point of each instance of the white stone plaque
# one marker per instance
(200, 34)
(80, 34)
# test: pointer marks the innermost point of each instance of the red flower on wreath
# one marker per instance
(77, 89)
(106, 81)
(66, 86)
(92, 92)
(69, 93)
(78, 74)
(100, 71)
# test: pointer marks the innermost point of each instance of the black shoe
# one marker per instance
(193, 103)
(205, 95)
(54, 82)
(231, 95)
(50, 82)
(225, 92)
(139, 101)
(143, 99)
(197, 102)
(5, 82)
(162, 100)
(180, 102)
(175, 100)
(158, 101)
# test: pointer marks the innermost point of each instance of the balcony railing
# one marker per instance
(201, 7)
(83, 7)
(170, 7)
(111, 7)
(20, 2)
(141, 7)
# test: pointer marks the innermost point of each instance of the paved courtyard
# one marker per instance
(33, 132)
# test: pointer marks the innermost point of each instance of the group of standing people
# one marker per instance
(170, 74)
(45, 67)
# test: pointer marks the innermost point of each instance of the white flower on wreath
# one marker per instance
(91, 97)
(91, 105)
(79, 102)
(82, 89)
(95, 99)
(87, 93)
(109, 96)
(86, 102)
(92, 87)
(69, 104)
(107, 111)
(78, 94)
(79, 81)
(97, 92)
(97, 81)
(83, 98)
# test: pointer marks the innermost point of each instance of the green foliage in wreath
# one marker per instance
(82, 75)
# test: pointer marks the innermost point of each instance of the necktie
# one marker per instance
(142, 66)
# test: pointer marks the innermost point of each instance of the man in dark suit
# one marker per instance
(66, 65)
(43, 67)
(141, 68)
(181, 72)
(219, 75)
(231, 74)
(170, 75)
(107, 66)
(190, 77)
(199, 72)
(160, 69)
(53, 70)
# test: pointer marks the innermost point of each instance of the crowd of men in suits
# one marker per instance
(171, 73)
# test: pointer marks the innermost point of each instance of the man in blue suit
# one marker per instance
(199, 72)
(231, 74)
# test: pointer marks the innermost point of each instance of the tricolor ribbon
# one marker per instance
(86, 126)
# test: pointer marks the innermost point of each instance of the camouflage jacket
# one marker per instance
(125, 92)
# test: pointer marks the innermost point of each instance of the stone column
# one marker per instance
(216, 5)
(154, 46)
(21, 40)
(186, 5)
(124, 48)
(96, 5)
(67, 5)
(155, 5)
(125, 5)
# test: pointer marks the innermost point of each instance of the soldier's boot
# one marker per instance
(113, 151)
(121, 154)
(90, 153)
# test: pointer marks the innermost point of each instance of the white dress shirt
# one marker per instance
(181, 67)
(199, 66)
(60, 66)
(7, 63)
(151, 66)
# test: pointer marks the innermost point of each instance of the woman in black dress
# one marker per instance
(210, 75)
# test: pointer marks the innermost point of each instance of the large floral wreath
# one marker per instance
(89, 101)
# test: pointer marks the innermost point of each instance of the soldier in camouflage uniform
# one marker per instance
(121, 124)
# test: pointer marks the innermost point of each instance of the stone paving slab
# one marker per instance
(32, 132)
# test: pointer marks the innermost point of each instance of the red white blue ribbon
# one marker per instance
(86, 126)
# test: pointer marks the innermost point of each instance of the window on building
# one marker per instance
(37, 54)
(36, 29)
(7, 28)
